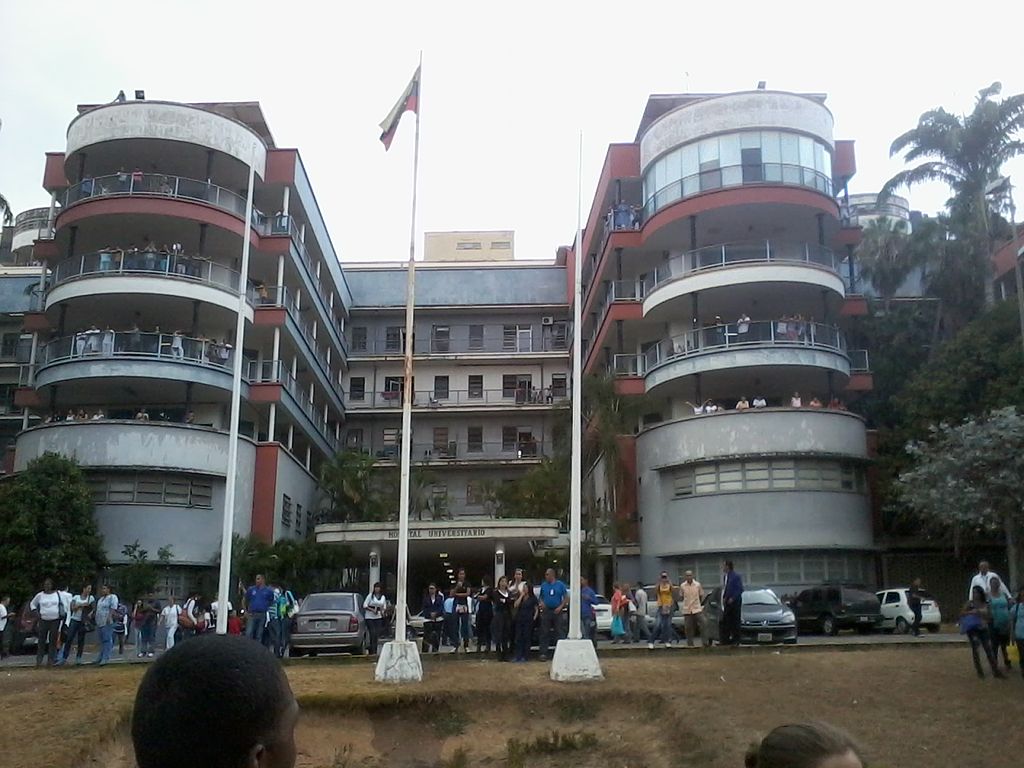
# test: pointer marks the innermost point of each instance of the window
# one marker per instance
(475, 439)
(682, 484)
(440, 387)
(440, 338)
(509, 384)
(286, 511)
(517, 338)
(357, 388)
(474, 494)
(152, 490)
(752, 170)
(501, 245)
(354, 439)
(309, 521)
(441, 439)
(391, 435)
(468, 245)
(9, 344)
(476, 386)
(298, 519)
(476, 338)
(394, 383)
(359, 338)
(393, 338)
(560, 336)
(559, 385)
(509, 437)
(760, 475)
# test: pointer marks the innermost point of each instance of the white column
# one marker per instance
(280, 269)
(499, 561)
(295, 368)
(298, 298)
(276, 348)
(285, 199)
(291, 435)
(272, 422)
(374, 567)
(309, 456)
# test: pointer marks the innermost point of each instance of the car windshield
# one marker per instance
(761, 597)
(857, 596)
(337, 602)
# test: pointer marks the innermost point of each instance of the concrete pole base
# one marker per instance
(399, 662)
(575, 661)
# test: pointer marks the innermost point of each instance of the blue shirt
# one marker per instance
(259, 599)
(733, 586)
(553, 594)
(588, 597)
(1018, 615)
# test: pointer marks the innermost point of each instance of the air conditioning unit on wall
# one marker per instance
(547, 320)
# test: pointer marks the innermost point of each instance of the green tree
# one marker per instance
(5, 211)
(608, 416)
(302, 566)
(138, 576)
(972, 475)
(351, 489)
(966, 152)
(954, 274)
(48, 527)
(542, 492)
(885, 258)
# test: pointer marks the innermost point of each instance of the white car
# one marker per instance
(896, 613)
(603, 615)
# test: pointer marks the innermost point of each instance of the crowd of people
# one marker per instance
(833, 403)
(177, 345)
(992, 620)
(141, 414)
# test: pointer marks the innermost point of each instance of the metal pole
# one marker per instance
(576, 466)
(231, 480)
(401, 600)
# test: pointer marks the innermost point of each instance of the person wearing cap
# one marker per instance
(665, 602)
(691, 595)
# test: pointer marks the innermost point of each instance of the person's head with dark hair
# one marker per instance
(217, 701)
(978, 594)
(806, 745)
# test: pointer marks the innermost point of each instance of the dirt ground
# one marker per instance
(910, 707)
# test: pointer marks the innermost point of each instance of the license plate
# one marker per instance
(865, 619)
(322, 625)
(764, 637)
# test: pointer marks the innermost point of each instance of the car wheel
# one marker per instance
(829, 626)
(293, 653)
(902, 627)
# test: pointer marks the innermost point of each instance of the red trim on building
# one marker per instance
(860, 382)
(280, 166)
(844, 161)
(35, 321)
(854, 306)
(618, 311)
(1002, 261)
(53, 172)
(27, 397)
(269, 316)
(265, 393)
(264, 491)
(848, 236)
(629, 385)
(621, 161)
(621, 238)
(45, 250)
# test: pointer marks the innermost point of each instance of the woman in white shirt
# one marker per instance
(374, 607)
(169, 619)
(49, 611)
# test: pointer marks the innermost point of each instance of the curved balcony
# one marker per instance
(29, 226)
(755, 344)
(152, 272)
(166, 122)
(129, 444)
(744, 263)
(754, 432)
(96, 354)
(159, 185)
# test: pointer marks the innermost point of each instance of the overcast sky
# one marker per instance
(504, 95)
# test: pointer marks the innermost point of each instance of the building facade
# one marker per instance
(133, 346)
(716, 266)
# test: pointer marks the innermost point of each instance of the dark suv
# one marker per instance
(832, 607)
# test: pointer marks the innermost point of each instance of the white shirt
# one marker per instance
(105, 607)
(3, 617)
(169, 615)
(47, 604)
(65, 598)
(641, 600)
(983, 581)
(374, 606)
(759, 402)
(78, 603)
(795, 402)
(215, 606)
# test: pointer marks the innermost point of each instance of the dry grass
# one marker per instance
(910, 707)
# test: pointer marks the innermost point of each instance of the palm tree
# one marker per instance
(348, 484)
(609, 416)
(954, 273)
(966, 153)
(5, 211)
(884, 258)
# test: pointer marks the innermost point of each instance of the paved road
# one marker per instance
(605, 646)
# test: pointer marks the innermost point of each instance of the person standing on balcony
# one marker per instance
(795, 401)
(759, 402)
(742, 404)
(177, 345)
(732, 605)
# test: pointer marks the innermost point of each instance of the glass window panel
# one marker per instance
(757, 475)
(683, 484)
(830, 477)
(689, 163)
(730, 477)
(806, 151)
(475, 439)
(808, 475)
(770, 147)
(788, 568)
(835, 567)
(729, 150)
(790, 146)
(732, 175)
(509, 438)
(783, 474)
(705, 479)
(707, 151)
(750, 139)
(660, 174)
(760, 571)
(202, 494)
(176, 492)
(120, 490)
(691, 185)
(814, 568)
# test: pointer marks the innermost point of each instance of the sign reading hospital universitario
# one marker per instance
(444, 533)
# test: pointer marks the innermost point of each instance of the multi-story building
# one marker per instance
(491, 384)
(714, 272)
(134, 341)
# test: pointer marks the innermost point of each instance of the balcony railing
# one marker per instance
(130, 184)
(729, 254)
(735, 176)
(628, 365)
(621, 291)
(764, 333)
(277, 372)
(118, 263)
(458, 398)
(465, 451)
(34, 219)
(95, 344)
(437, 345)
